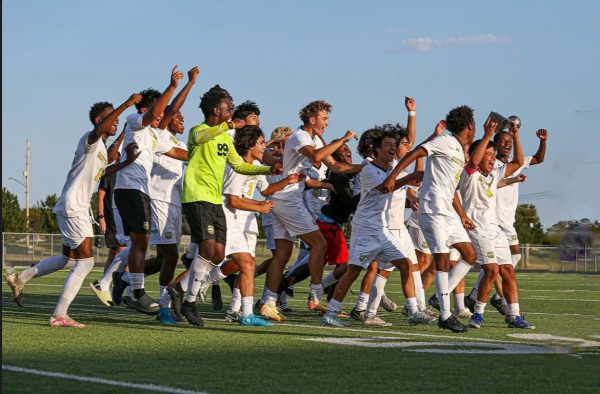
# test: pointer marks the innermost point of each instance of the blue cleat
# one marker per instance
(165, 315)
(476, 320)
(256, 321)
(334, 321)
(519, 322)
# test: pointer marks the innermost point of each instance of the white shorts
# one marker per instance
(165, 227)
(365, 248)
(406, 247)
(239, 241)
(74, 230)
(442, 231)
(511, 235)
(491, 248)
(454, 255)
(418, 239)
(291, 218)
(269, 236)
(122, 239)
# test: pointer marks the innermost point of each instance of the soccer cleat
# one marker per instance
(387, 304)
(499, 305)
(357, 314)
(256, 321)
(188, 310)
(204, 285)
(217, 300)
(375, 320)
(258, 304)
(334, 321)
(16, 288)
(186, 261)
(404, 310)
(165, 315)
(431, 312)
(519, 322)
(271, 312)
(452, 324)
(464, 313)
(285, 308)
(144, 304)
(470, 303)
(317, 306)
(233, 316)
(434, 302)
(342, 315)
(64, 321)
(103, 295)
(420, 318)
(476, 320)
(175, 300)
(119, 286)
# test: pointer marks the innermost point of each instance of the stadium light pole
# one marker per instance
(26, 186)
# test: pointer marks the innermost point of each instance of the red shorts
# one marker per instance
(337, 250)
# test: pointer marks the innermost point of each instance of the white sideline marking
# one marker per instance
(547, 337)
(90, 379)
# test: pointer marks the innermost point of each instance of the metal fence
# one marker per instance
(27, 249)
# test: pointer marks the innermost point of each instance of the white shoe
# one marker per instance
(387, 304)
(464, 313)
(375, 320)
(420, 318)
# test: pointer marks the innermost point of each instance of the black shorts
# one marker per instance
(134, 208)
(206, 221)
(110, 237)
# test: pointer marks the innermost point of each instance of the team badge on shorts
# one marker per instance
(447, 244)
(424, 245)
(362, 258)
(146, 225)
(168, 235)
(490, 255)
(513, 237)
(210, 230)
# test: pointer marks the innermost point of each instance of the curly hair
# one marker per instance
(212, 98)
(378, 139)
(459, 118)
(475, 144)
(97, 108)
(245, 109)
(246, 138)
(313, 109)
(365, 143)
(149, 96)
(397, 129)
(280, 132)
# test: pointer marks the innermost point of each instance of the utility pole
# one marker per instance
(26, 174)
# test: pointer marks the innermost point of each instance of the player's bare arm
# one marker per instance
(412, 179)
(509, 181)
(180, 98)
(477, 155)
(113, 150)
(246, 204)
(538, 158)
(105, 126)
(464, 219)
(158, 108)
(131, 153)
(316, 155)
(517, 160)
(277, 186)
(411, 123)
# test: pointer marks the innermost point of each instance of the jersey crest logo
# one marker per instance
(210, 230)
(424, 245)
(513, 237)
(146, 225)
(168, 235)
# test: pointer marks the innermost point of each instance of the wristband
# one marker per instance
(412, 113)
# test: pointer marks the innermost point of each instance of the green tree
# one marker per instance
(528, 226)
(13, 217)
(48, 220)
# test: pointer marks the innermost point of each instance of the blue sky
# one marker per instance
(536, 59)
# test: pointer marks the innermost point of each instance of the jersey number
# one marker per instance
(222, 149)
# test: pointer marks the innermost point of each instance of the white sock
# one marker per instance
(316, 291)
(247, 305)
(479, 307)
(236, 300)
(334, 307)
(164, 300)
(513, 310)
(375, 295)
(44, 267)
(118, 265)
(515, 259)
(459, 301)
(185, 282)
(215, 275)
(72, 285)
(200, 266)
(192, 250)
(136, 280)
(441, 287)
(269, 297)
(329, 280)
(361, 303)
(475, 290)
(411, 305)
(419, 290)
(457, 273)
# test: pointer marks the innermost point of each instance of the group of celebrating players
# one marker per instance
(463, 199)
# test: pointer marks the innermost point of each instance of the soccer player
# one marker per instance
(73, 213)
(439, 203)
(290, 215)
(132, 190)
(210, 147)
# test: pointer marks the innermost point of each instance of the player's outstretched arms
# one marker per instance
(316, 155)
(538, 158)
(177, 153)
(105, 126)
(180, 98)
(158, 108)
(411, 179)
(279, 185)
(509, 181)
(246, 204)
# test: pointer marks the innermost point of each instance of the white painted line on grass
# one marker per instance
(107, 382)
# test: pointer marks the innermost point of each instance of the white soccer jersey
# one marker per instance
(479, 194)
(166, 177)
(295, 162)
(316, 198)
(266, 217)
(137, 175)
(369, 217)
(413, 220)
(508, 196)
(395, 210)
(242, 186)
(356, 186)
(85, 173)
(445, 163)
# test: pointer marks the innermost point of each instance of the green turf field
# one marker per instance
(120, 347)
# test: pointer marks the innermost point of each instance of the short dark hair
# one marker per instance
(500, 134)
(212, 99)
(475, 144)
(459, 118)
(97, 108)
(397, 129)
(365, 143)
(246, 138)
(313, 108)
(378, 139)
(149, 96)
(246, 109)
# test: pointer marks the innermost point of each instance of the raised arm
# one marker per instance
(538, 158)
(180, 98)
(517, 160)
(158, 108)
(320, 154)
(103, 128)
(477, 155)
(113, 150)
(342, 168)
(411, 123)
(238, 164)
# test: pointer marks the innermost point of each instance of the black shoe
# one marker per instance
(258, 304)
(434, 302)
(230, 280)
(188, 310)
(119, 286)
(470, 303)
(329, 291)
(452, 324)
(175, 300)
(186, 261)
(144, 304)
(217, 301)
(500, 307)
